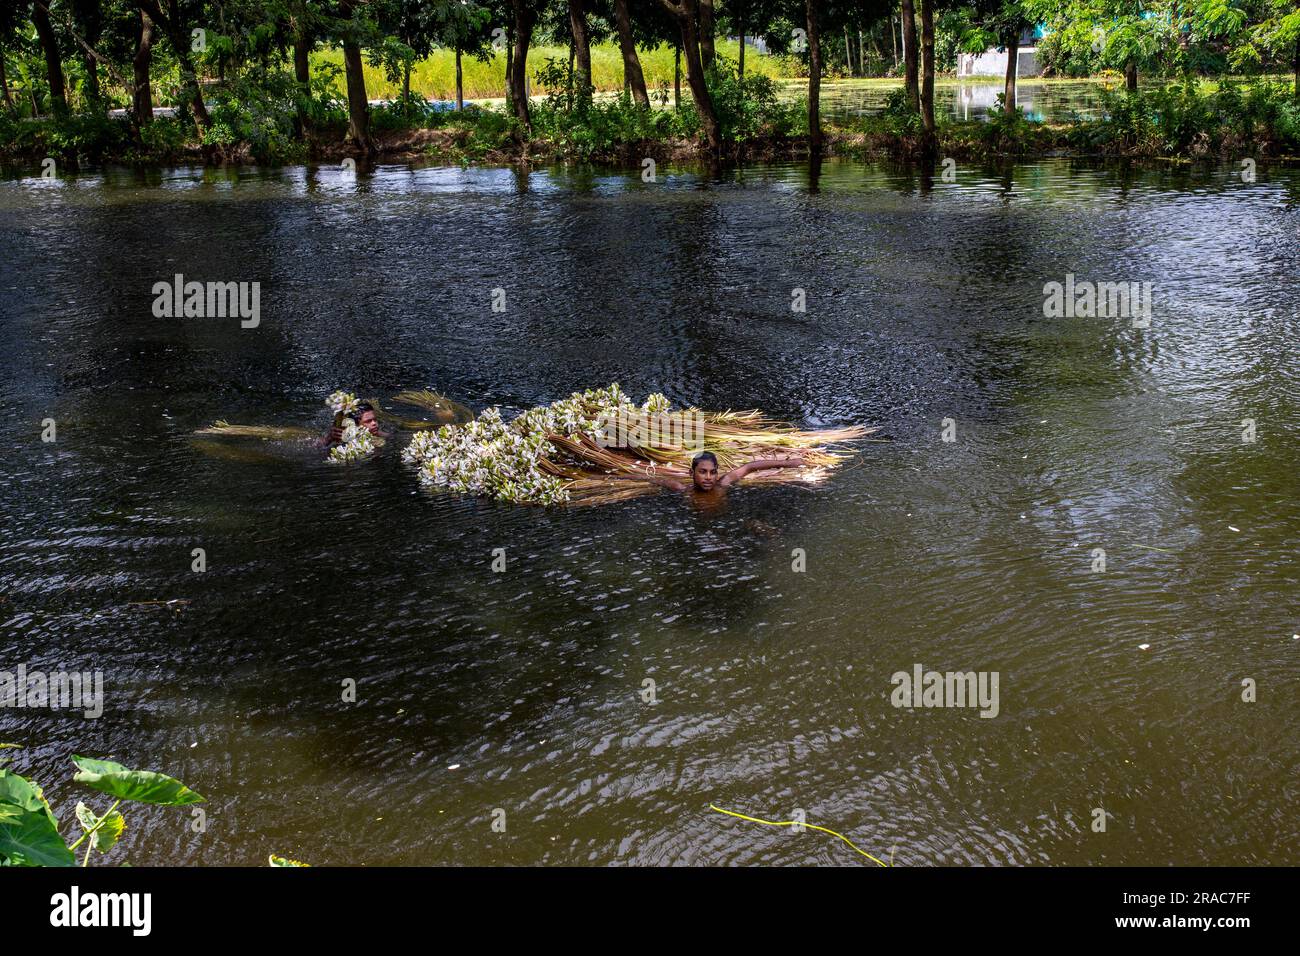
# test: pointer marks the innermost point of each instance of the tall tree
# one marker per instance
(168, 15)
(685, 12)
(89, 18)
(526, 14)
(53, 60)
(304, 28)
(581, 43)
(463, 27)
(353, 29)
(998, 23)
(814, 75)
(632, 74)
(908, 13)
(142, 94)
(930, 138)
(707, 26)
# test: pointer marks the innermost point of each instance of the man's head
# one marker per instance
(365, 417)
(704, 471)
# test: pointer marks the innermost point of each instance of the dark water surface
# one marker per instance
(924, 303)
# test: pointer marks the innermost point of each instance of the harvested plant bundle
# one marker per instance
(569, 452)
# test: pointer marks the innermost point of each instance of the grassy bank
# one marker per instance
(255, 123)
(434, 78)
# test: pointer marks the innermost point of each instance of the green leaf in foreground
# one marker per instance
(30, 839)
(110, 830)
(142, 786)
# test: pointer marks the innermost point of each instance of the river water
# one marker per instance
(524, 690)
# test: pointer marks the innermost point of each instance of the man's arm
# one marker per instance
(654, 479)
(660, 480)
(733, 476)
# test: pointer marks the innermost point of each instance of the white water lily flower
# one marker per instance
(341, 402)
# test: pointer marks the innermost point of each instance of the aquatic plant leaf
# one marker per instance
(29, 833)
(274, 860)
(109, 831)
(142, 786)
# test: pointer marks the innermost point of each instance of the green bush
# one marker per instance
(259, 109)
(1181, 119)
(751, 109)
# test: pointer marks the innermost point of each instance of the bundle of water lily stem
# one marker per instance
(569, 452)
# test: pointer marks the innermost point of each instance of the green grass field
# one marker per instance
(435, 77)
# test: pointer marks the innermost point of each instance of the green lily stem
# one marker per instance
(86, 859)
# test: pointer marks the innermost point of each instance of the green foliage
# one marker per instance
(580, 126)
(258, 109)
(29, 830)
(165, 137)
(142, 786)
(83, 135)
(751, 109)
(274, 860)
(434, 76)
(106, 829)
(1181, 119)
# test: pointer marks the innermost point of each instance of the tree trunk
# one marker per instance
(685, 12)
(406, 84)
(740, 28)
(581, 44)
(510, 69)
(4, 83)
(1297, 67)
(302, 76)
(632, 74)
(707, 54)
(53, 62)
(92, 77)
(179, 38)
(677, 76)
(893, 41)
(814, 77)
(142, 97)
(1013, 68)
(358, 103)
(1131, 76)
(909, 52)
(460, 83)
(848, 51)
(91, 22)
(525, 20)
(929, 142)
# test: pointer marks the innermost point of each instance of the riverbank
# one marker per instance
(1179, 122)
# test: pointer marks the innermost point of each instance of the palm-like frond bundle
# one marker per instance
(268, 432)
(444, 410)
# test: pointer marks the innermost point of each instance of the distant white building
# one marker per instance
(993, 61)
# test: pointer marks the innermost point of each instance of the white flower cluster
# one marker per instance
(657, 404)
(489, 456)
(341, 402)
(357, 444)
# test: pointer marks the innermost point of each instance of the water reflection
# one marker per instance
(966, 99)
